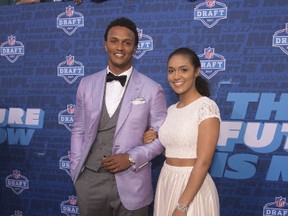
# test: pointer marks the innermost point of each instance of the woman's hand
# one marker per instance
(149, 136)
(178, 213)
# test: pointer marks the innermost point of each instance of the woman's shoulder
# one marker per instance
(173, 106)
(208, 101)
(209, 108)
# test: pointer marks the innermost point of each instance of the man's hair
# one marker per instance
(125, 22)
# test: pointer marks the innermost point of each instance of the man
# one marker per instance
(110, 165)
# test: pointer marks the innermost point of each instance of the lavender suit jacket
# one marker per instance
(143, 106)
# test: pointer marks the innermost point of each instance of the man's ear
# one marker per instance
(105, 45)
(135, 49)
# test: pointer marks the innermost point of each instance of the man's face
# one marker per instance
(120, 47)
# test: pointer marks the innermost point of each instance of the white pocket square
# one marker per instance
(138, 101)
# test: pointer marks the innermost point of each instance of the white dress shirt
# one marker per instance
(114, 91)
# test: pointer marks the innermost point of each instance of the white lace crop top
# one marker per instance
(179, 132)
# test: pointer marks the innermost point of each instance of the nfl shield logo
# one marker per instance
(280, 201)
(11, 40)
(69, 11)
(140, 32)
(210, 3)
(16, 174)
(70, 60)
(72, 200)
(18, 213)
(71, 108)
(209, 52)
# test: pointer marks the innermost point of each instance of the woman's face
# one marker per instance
(182, 74)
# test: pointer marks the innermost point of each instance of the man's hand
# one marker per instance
(116, 163)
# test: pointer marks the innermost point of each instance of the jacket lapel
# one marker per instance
(133, 90)
(98, 89)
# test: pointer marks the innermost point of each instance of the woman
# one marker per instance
(189, 135)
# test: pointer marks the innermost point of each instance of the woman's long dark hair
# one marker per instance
(202, 85)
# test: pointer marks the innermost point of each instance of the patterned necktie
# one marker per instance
(122, 79)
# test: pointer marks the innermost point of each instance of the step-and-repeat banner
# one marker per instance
(46, 49)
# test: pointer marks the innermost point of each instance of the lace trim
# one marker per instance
(208, 110)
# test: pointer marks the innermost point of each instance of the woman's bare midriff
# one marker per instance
(181, 162)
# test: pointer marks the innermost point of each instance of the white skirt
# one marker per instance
(172, 182)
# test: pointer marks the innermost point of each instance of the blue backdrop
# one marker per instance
(47, 48)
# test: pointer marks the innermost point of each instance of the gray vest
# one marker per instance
(103, 143)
